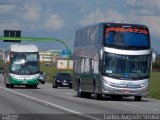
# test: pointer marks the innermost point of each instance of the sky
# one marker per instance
(61, 18)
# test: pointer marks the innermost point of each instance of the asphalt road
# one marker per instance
(49, 103)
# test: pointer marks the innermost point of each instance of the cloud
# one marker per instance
(8, 25)
(37, 16)
(5, 8)
(141, 5)
(8, 16)
(100, 16)
(53, 22)
(32, 12)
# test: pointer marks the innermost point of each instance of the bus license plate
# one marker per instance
(125, 91)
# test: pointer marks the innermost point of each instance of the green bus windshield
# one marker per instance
(24, 63)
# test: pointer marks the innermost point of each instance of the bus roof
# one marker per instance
(23, 48)
(120, 24)
(125, 24)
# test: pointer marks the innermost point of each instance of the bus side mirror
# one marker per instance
(101, 54)
(153, 56)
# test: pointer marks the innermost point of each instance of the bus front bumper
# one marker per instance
(24, 82)
(125, 91)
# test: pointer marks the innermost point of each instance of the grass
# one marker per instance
(154, 90)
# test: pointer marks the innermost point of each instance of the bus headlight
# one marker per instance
(144, 85)
(108, 83)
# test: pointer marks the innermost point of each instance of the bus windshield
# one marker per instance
(130, 67)
(127, 38)
(24, 63)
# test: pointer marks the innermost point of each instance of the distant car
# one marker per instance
(42, 77)
(62, 80)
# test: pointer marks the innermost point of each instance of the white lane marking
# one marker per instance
(51, 104)
(156, 109)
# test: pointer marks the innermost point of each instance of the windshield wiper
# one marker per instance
(138, 74)
(23, 68)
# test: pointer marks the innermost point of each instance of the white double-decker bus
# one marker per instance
(112, 59)
(22, 66)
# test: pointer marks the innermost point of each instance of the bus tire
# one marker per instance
(88, 95)
(10, 86)
(98, 96)
(7, 85)
(28, 86)
(35, 86)
(137, 98)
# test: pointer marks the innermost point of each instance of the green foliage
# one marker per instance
(154, 90)
(156, 65)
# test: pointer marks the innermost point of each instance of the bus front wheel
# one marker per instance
(35, 86)
(98, 96)
(7, 85)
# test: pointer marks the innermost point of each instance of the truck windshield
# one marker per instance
(24, 63)
(126, 67)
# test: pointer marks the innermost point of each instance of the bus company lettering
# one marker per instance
(118, 29)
